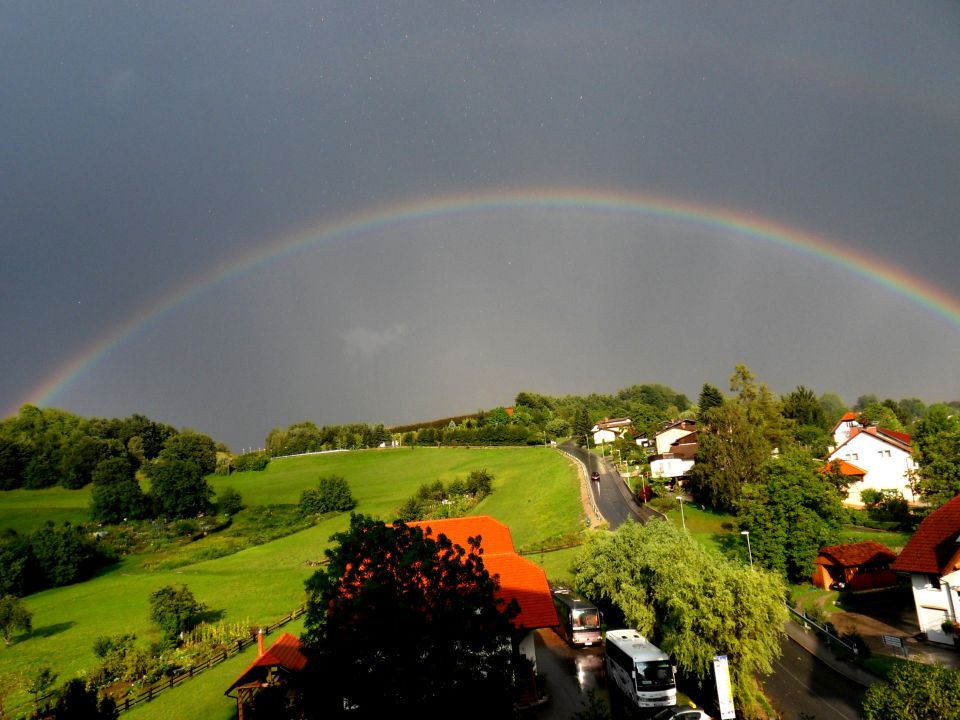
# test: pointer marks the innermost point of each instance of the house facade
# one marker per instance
(932, 558)
(885, 457)
(676, 447)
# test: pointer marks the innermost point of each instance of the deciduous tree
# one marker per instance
(402, 623)
(14, 617)
(691, 601)
(174, 611)
(915, 691)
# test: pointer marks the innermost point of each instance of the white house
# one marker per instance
(932, 557)
(607, 430)
(672, 432)
(884, 456)
(676, 448)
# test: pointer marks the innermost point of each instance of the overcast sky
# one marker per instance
(145, 148)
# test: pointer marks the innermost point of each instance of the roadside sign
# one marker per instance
(721, 673)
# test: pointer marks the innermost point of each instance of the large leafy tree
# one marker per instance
(178, 488)
(694, 603)
(174, 611)
(731, 451)
(915, 691)
(401, 623)
(791, 512)
(193, 447)
(937, 453)
(116, 493)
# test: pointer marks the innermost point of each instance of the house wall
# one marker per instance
(666, 438)
(527, 648)
(670, 467)
(604, 436)
(887, 466)
(935, 602)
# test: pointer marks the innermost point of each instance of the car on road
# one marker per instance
(681, 712)
(595, 476)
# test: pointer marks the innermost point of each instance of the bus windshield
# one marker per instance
(586, 618)
(654, 675)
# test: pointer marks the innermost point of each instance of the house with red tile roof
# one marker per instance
(932, 557)
(854, 566)
(676, 449)
(520, 579)
(271, 669)
(885, 458)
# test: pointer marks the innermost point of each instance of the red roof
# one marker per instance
(934, 547)
(866, 552)
(284, 653)
(520, 579)
(844, 468)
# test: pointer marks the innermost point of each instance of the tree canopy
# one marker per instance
(915, 691)
(692, 602)
(402, 622)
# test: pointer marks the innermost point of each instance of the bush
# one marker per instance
(480, 483)
(174, 611)
(332, 494)
(256, 461)
(229, 501)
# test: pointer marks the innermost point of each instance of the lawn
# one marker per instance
(24, 510)
(535, 493)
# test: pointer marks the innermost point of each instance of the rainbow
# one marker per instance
(922, 293)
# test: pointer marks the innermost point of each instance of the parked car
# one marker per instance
(595, 476)
(681, 712)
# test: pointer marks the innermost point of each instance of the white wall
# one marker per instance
(887, 466)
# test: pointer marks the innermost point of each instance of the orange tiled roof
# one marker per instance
(853, 554)
(844, 467)
(933, 547)
(285, 653)
(520, 579)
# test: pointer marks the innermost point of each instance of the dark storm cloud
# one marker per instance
(142, 146)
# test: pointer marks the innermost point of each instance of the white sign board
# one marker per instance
(721, 673)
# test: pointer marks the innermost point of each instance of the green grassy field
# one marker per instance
(535, 494)
(24, 510)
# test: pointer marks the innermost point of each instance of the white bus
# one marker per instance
(641, 670)
(579, 619)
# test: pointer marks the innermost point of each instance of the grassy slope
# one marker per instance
(24, 510)
(535, 494)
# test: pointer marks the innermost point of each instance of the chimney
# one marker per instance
(260, 642)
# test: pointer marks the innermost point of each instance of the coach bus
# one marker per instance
(641, 670)
(579, 619)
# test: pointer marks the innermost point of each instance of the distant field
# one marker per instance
(24, 510)
(535, 493)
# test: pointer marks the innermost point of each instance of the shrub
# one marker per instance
(229, 501)
(332, 494)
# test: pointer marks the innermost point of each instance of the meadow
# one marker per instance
(535, 494)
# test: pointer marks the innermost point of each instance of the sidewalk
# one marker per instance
(917, 651)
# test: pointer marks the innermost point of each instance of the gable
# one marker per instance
(855, 554)
(934, 547)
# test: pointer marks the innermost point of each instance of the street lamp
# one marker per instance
(749, 551)
(682, 519)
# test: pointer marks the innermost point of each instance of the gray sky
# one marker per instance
(145, 148)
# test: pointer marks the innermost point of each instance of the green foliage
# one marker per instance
(332, 494)
(791, 512)
(710, 397)
(191, 447)
(436, 500)
(39, 682)
(178, 488)
(937, 453)
(75, 701)
(915, 691)
(693, 602)
(229, 501)
(882, 415)
(803, 408)
(174, 611)
(596, 709)
(415, 617)
(14, 616)
(731, 451)
(62, 555)
(116, 493)
(255, 461)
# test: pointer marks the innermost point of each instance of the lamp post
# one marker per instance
(683, 520)
(749, 551)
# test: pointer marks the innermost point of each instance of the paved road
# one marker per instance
(802, 686)
(611, 496)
